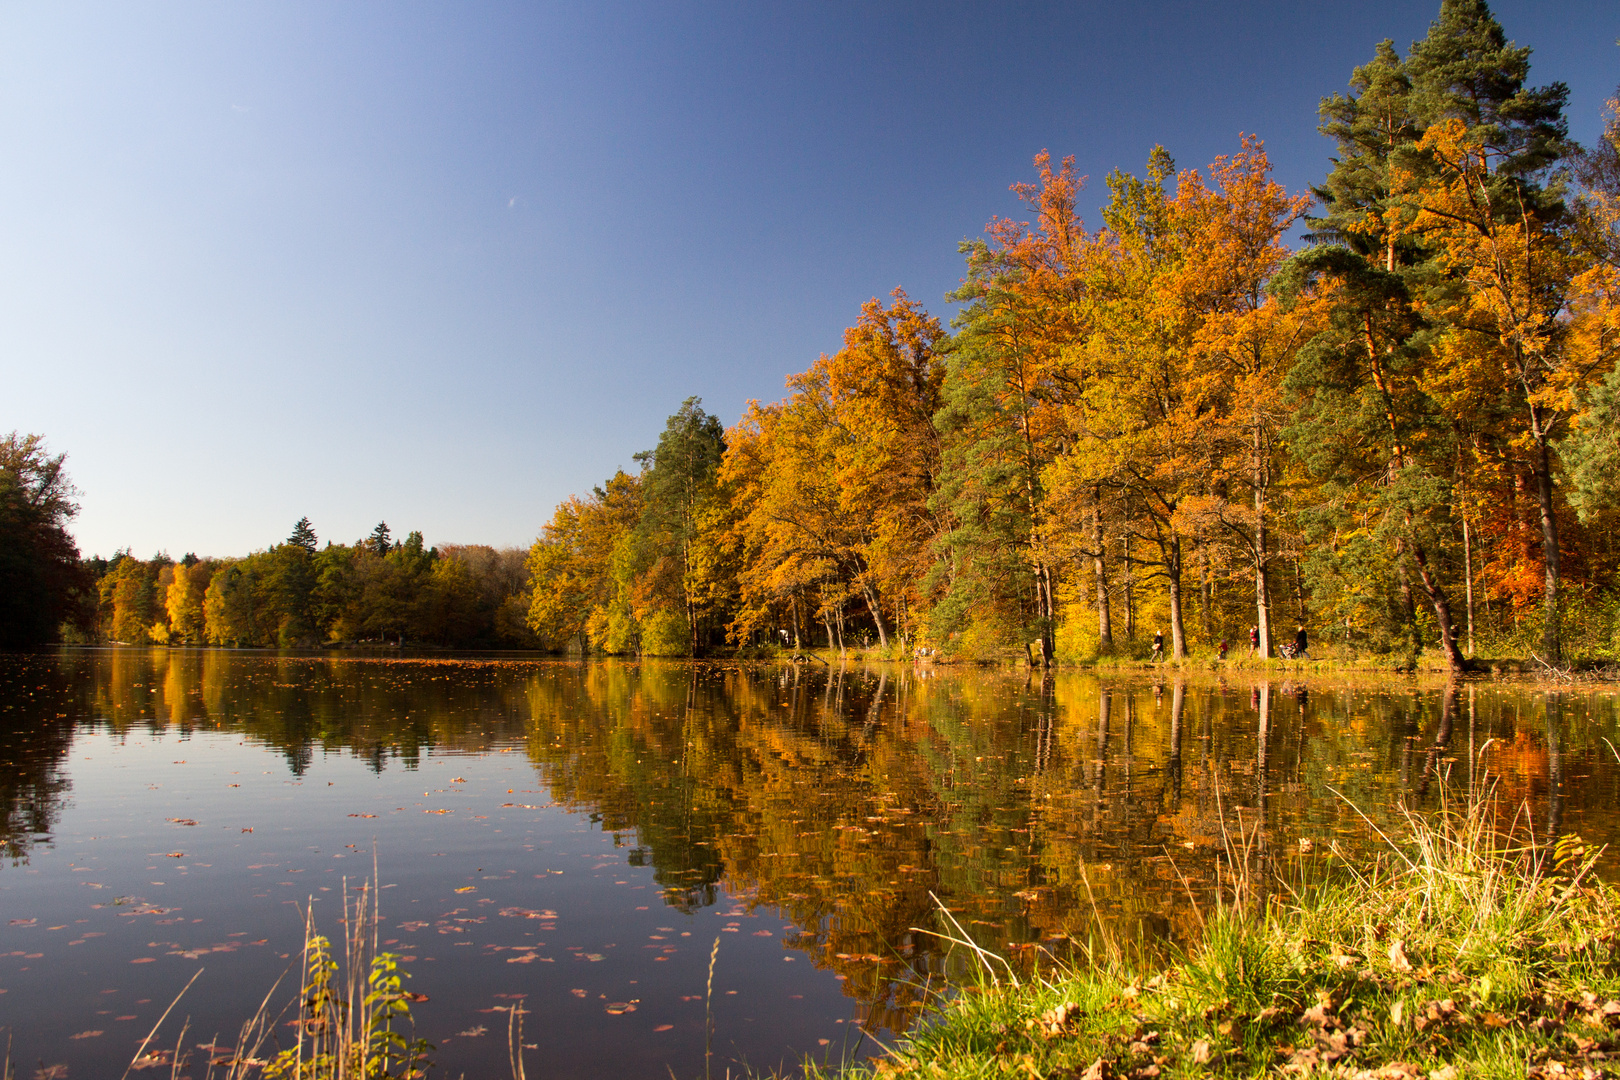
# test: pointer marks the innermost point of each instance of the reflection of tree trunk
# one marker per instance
(1262, 750)
(1555, 765)
(1471, 751)
(1442, 737)
(1178, 701)
(1104, 707)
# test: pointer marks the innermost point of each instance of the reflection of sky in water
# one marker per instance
(581, 834)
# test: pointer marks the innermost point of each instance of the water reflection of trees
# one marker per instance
(37, 703)
(1039, 810)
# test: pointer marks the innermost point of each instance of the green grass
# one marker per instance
(1465, 951)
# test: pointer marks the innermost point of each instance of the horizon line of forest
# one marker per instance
(1404, 435)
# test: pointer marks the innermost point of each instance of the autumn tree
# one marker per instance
(41, 582)
(1477, 191)
(1001, 415)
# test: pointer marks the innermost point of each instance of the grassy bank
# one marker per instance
(1461, 953)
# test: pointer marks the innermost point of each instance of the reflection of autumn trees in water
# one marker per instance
(36, 706)
(845, 798)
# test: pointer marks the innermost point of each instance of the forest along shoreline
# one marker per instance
(1162, 432)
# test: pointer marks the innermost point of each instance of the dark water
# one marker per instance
(577, 836)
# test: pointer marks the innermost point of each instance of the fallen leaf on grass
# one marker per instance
(1397, 957)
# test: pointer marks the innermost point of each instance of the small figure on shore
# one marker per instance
(1223, 648)
(1158, 646)
(1300, 642)
(1254, 639)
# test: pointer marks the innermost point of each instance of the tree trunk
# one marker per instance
(876, 608)
(1551, 635)
(1468, 582)
(1130, 593)
(1172, 573)
(1442, 609)
(1043, 600)
(1408, 605)
(1105, 620)
(1262, 587)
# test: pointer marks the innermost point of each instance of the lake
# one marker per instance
(577, 836)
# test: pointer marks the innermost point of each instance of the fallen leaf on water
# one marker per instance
(87, 1035)
(174, 854)
(618, 1008)
(362, 815)
(473, 1033)
(144, 960)
(577, 993)
(671, 1027)
(182, 820)
(468, 888)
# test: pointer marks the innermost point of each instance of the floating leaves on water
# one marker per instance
(473, 1033)
(671, 1027)
(577, 993)
(468, 888)
(88, 1035)
(362, 815)
(182, 820)
(619, 1008)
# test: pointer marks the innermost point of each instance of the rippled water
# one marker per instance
(577, 836)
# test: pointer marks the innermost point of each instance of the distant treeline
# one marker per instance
(299, 594)
(1403, 435)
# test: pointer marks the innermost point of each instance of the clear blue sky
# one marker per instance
(445, 264)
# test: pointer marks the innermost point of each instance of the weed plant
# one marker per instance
(352, 1015)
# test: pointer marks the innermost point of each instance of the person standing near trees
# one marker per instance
(1254, 640)
(1300, 643)
(1158, 646)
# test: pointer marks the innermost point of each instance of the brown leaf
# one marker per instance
(1397, 956)
(1202, 1052)
(1101, 1069)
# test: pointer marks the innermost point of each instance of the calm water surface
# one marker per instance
(577, 836)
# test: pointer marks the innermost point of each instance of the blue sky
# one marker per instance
(445, 264)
